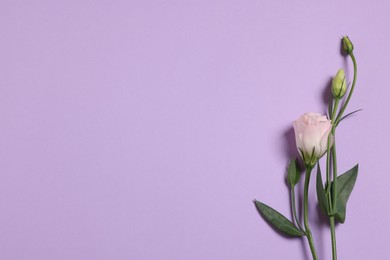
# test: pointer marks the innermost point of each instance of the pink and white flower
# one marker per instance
(311, 135)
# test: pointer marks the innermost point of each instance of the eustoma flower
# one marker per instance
(314, 136)
(311, 135)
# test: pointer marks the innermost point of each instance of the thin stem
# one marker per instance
(295, 211)
(336, 105)
(334, 162)
(330, 107)
(331, 203)
(306, 213)
(350, 92)
(328, 166)
(334, 202)
(333, 234)
(327, 191)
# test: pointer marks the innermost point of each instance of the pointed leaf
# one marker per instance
(322, 200)
(277, 220)
(344, 117)
(345, 184)
(293, 174)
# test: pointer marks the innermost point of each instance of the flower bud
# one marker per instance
(347, 45)
(339, 85)
(293, 174)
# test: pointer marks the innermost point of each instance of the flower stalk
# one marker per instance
(306, 212)
(315, 136)
(331, 149)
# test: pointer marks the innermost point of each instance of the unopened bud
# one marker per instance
(339, 86)
(347, 45)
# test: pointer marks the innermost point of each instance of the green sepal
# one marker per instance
(293, 173)
(345, 184)
(321, 197)
(277, 220)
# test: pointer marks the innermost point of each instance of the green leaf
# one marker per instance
(353, 112)
(321, 197)
(345, 184)
(293, 174)
(277, 220)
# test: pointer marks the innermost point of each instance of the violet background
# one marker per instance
(144, 129)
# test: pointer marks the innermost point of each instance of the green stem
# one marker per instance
(306, 213)
(336, 104)
(295, 211)
(334, 162)
(333, 234)
(350, 92)
(327, 191)
(334, 201)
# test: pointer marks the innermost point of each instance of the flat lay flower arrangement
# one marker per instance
(315, 137)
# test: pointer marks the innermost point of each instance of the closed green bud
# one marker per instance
(293, 174)
(339, 86)
(347, 45)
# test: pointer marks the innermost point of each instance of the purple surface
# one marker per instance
(144, 129)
